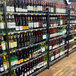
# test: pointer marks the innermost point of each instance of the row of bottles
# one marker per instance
(57, 32)
(56, 43)
(34, 6)
(57, 21)
(31, 67)
(4, 64)
(27, 54)
(22, 40)
(21, 22)
(57, 53)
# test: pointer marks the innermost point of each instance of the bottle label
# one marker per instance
(29, 8)
(50, 47)
(25, 74)
(44, 36)
(8, 9)
(3, 45)
(1, 69)
(5, 66)
(12, 9)
(52, 9)
(52, 58)
(43, 49)
(1, 25)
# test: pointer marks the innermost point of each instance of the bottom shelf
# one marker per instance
(45, 67)
(53, 62)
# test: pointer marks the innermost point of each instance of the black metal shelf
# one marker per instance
(18, 32)
(56, 60)
(57, 37)
(52, 50)
(47, 15)
(72, 33)
(29, 61)
(35, 14)
(58, 26)
(3, 54)
(4, 72)
(27, 47)
(38, 71)
(32, 14)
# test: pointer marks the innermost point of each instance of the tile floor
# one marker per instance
(65, 67)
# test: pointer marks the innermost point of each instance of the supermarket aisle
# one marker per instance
(65, 67)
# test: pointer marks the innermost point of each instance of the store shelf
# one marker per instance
(40, 70)
(35, 14)
(73, 50)
(29, 60)
(4, 73)
(18, 32)
(57, 37)
(52, 50)
(27, 47)
(72, 33)
(3, 54)
(58, 14)
(57, 27)
(61, 57)
(1, 13)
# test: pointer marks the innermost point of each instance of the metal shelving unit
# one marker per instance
(48, 15)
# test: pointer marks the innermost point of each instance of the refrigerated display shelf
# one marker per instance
(19, 32)
(29, 61)
(27, 47)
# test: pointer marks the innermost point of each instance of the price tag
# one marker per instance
(10, 52)
(31, 14)
(13, 51)
(26, 47)
(12, 33)
(25, 14)
(4, 34)
(18, 32)
(35, 14)
(19, 49)
(25, 31)
(8, 33)
(18, 13)
(10, 13)
(31, 30)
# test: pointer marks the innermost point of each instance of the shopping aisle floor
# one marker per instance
(65, 67)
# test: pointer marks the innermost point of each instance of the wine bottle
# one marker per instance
(2, 25)
(1, 65)
(5, 62)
